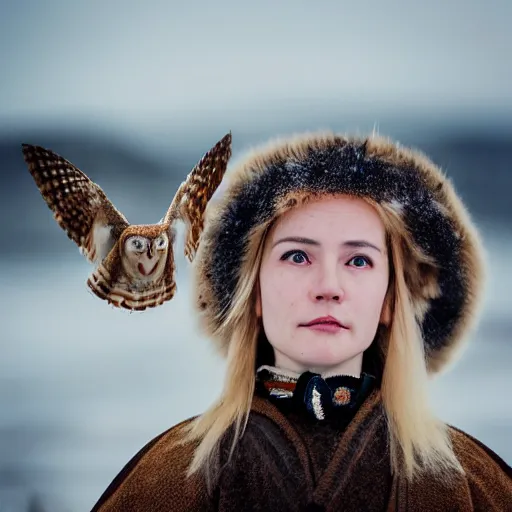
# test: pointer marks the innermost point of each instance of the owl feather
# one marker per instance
(134, 263)
(79, 206)
(192, 197)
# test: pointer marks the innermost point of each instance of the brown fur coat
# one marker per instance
(274, 468)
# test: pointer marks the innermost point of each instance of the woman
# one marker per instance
(336, 275)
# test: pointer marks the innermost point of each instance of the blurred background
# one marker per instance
(134, 93)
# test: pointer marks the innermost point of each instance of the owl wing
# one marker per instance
(79, 206)
(193, 195)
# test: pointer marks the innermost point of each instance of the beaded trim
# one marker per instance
(317, 405)
(342, 396)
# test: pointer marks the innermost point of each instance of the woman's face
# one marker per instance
(325, 259)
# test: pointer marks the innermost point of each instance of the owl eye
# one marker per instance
(161, 242)
(136, 243)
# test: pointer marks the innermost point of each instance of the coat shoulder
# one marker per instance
(488, 476)
(155, 478)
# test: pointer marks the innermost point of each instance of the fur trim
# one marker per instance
(286, 173)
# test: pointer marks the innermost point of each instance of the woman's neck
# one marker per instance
(352, 366)
(294, 374)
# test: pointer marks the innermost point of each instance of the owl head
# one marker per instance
(144, 251)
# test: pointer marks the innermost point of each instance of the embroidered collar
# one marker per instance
(322, 397)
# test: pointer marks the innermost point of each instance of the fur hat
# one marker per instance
(275, 178)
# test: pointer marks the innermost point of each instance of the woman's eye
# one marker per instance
(296, 257)
(360, 262)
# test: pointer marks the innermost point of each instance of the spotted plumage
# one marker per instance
(134, 263)
(193, 195)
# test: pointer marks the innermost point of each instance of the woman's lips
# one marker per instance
(332, 327)
(325, 324)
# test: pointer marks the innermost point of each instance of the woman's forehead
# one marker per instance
(331, 216)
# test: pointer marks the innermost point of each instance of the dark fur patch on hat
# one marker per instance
(273, 179)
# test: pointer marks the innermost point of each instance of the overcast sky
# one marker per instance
(159, 57)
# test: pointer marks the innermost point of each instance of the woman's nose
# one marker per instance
(328, 286)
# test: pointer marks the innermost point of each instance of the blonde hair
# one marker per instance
(417, 439)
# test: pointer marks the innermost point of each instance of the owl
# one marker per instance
(134, 264)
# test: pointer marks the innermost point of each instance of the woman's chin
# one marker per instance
(328, 361)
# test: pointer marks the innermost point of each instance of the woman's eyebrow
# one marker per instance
(310, 241)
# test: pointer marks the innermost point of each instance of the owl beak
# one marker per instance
(150, 252)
